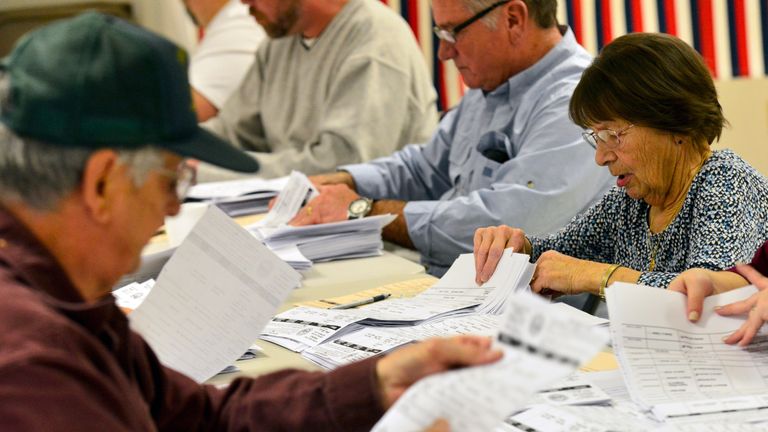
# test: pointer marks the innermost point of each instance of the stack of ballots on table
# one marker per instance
(239, 197)
(450, 306)
(324, 242)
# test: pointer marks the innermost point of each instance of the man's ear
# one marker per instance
(515, 19)
(100, 176)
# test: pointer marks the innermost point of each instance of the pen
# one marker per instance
(373, 299)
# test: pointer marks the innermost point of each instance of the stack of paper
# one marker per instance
(513, 273)
(370, 341)
(300, 328)
(338, 240)
(239, 197)
(352, 347)
(540, 347)
(681, 370)
(324, 242)
(213, 297)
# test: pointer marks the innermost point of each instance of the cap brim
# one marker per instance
(207, 147)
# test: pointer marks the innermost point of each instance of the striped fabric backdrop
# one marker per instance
(727, 33)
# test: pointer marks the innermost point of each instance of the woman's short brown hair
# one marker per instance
(653, 80)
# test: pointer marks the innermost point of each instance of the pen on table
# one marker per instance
(373, 299)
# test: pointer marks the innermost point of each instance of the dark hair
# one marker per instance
(653, 80)
(544, 12)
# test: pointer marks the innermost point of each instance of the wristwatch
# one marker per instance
(359, 208)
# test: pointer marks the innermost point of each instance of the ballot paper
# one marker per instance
(212, 298)
(235, 188)
(239, 197)
(571, 390)
(367, 342)
(667, 359)
(625, 417)
(337, 240)
(539, 348)
(513, 273)
(132, 295)
(300, 328)
(579, 315)
(370, 341)
(296, 192)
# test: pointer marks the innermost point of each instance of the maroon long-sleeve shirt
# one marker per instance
(74, 366)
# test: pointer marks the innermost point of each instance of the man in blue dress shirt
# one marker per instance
(507, 154)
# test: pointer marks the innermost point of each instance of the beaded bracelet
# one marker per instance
(606, 277)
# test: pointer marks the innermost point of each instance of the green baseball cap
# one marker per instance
(97, 81)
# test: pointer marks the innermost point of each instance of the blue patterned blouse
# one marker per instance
(723, 221)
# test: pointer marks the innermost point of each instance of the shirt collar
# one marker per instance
(34, 266)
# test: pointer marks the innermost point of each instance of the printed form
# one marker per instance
(212, 298)
(680, 368)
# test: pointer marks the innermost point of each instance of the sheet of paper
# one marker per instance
(212, 298)
(539, 348)
(623, 417)
(132, 295)
(571, 390)
(579, 315)
(310, 326)
(297, 190)
(354, 347)
(513, 273)
(233, 188)
(404, 289)
(717, 410)
(667, 359)
(432, 303)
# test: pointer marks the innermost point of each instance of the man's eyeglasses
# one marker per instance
(450, 35)
(610, 138)
(182, 179)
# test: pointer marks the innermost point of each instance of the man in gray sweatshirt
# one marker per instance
(339, 81)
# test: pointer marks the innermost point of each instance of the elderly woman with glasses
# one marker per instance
(651, 112)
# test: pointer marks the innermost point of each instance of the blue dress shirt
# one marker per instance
(510, 156)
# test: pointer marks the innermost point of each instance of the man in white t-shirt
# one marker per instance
(230, 39)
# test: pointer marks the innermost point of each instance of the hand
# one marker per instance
(557, 274)
(490, 243)
(402, 368)
(696, 284)
(330, 206)
(756, 306)
(700, 283)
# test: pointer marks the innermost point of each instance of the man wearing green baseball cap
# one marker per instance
(95, 123)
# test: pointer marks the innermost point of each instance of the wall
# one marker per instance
(166, 17)
(745, 104)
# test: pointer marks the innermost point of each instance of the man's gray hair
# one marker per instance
(543, 12)
(40, 174)
(475, 6)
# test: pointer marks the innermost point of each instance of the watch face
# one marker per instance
(358, 206)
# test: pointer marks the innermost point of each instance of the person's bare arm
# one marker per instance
(397, 231)
(204, 109)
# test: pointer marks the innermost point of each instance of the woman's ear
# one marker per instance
(100, 174)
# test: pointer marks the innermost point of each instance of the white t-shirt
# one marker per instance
(225, 53)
